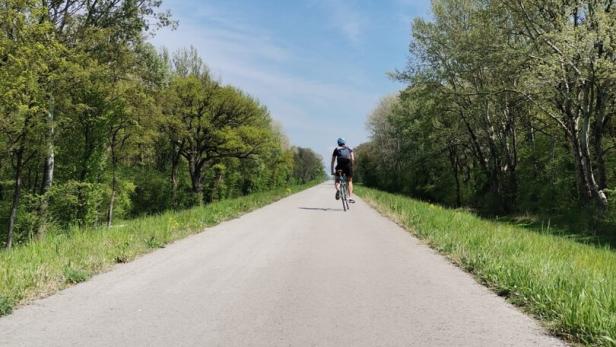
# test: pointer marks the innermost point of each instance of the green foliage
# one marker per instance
(95, 124)
(152, 193)
(308, 165)
(208, 123)
(5, 306)
(153, 243)
(74, 276)
(76, 203)
(29, 218)
(564, 281)
(505, 112)
(123, 198)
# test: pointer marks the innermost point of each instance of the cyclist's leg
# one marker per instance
(349, 174)
(337, 184)
(337, 181)
(348, 171)
(350, 186)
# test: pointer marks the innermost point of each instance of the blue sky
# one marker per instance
(318, 65)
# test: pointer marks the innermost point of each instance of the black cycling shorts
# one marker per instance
(346, 166)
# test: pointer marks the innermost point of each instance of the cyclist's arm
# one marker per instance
(352, 158)
(333, 161)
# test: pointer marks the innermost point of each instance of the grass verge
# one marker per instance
(570, 286)
(43, 267)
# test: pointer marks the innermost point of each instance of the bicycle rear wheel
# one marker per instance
(344, 196)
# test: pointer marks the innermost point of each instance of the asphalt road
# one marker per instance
(299, 272)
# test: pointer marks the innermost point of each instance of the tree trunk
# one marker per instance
(114, 181)
(598, 129)
(50, 160)
(511, 146)
(196, 180)
(198, 192)
(111, 202)
(175, 163)
(48, 171)
(477, 151)
(583, 189)
(16, 196)
(601, 167)
(597, 194)
(453, 159)
(88, 150)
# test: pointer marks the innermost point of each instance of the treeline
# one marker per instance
(95, 124)
(509, 109)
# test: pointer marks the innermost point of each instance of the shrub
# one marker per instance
(123, 202)
(151, 194)
(76, 203)
(28, 217)
(73, 275)
(6, 306)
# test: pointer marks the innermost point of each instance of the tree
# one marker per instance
(308, 165)
(92, 118)
(28, 54)
(572, 77)
(208, 122)
(509, 108)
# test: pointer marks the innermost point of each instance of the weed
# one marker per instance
(73, 275)
(152, 242)
(6, 306)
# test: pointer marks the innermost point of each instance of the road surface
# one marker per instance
(299, 272)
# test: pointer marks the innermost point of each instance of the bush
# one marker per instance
(76, 203)
(6, 188)
(152, 194)
(6, 306)
(123, 202)
(28, 220)
(74, 276)
(609, 219)
(28, 217)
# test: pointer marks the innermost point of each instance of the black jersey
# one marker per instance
(343, 153)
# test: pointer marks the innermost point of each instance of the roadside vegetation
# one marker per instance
(96, 125)
(110, 148)
(568, 283)
(509, 113)
(509, 110)
(58, 260)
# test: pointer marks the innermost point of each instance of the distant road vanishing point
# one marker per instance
(299, 272)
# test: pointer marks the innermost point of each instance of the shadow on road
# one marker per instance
(321, 209)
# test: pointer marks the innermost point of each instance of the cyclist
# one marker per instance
(345, 159)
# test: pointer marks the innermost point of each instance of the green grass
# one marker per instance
(568, 285)
(43, 267)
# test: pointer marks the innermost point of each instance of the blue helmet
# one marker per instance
(341, 142)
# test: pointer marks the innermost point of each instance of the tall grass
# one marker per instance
(45, 266)
(569, 285)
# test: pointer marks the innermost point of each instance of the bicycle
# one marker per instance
(344, 190)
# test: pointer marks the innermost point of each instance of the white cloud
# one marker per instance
(233, 54)
(312, 112)
(345, 18)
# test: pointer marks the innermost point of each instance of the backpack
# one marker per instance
(344, 152)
